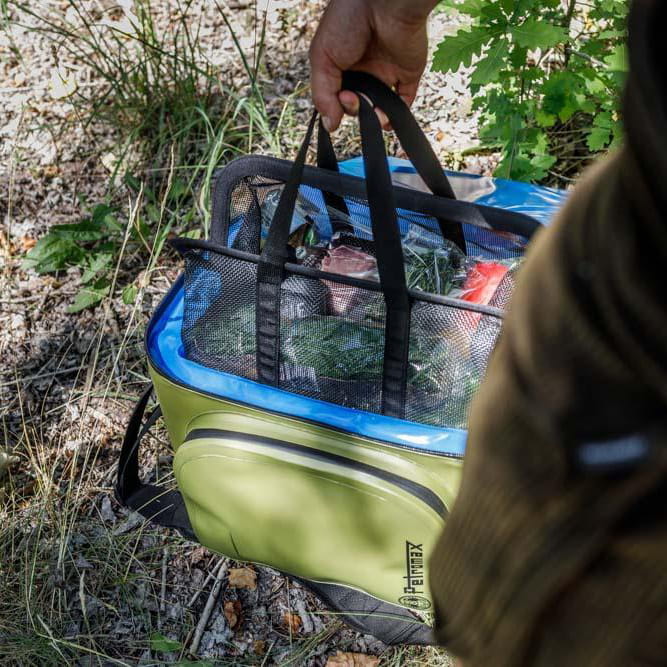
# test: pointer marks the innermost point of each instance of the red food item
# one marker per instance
(482, 282)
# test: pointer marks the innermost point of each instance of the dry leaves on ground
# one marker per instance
(232, 610)
(342, 659)
(292, 621)
(243, 577)
(27, 243)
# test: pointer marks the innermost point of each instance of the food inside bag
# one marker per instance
(340, 361)
(482, 280)
(332, 334)
(432, 264)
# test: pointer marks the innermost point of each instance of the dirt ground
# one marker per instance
(84, 582)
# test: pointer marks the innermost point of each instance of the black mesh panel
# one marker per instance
(219, 312)
(445, 365)
(332, 342)
(332, 333)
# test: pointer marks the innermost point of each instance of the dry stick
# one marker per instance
(209, 576)
(163, 588)
(210, 603)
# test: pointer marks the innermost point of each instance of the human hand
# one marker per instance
(386, 38)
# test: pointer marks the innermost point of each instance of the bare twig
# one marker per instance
(163, 587)
(210, 603)
(41, 376)
(199, 591)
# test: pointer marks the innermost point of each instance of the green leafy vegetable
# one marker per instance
(225, 333)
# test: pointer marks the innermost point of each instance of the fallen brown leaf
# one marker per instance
(51, 171)
(232, 610)
(292, 621)
(243, 577)
(259, 647)
(27, 242)
(352, 660)
(199, 554)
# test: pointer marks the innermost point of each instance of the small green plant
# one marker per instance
(95, 243)
(545, 77)
(163, 644)
(89, 244)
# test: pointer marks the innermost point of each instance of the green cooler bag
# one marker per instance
(315, 391)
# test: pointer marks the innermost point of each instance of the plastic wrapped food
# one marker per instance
(335, 348)
(353, 263)
(226, 341)
(340, 361)
(437, 270)
(305, 212)
(441, 383)
(483, 280)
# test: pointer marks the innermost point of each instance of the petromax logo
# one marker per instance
(413, 588)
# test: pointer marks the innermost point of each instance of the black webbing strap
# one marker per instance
(389, 255)
(326, 159)
(413, 141)
(157, 504)
(270, 270)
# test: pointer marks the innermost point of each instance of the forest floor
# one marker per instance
(84, 581)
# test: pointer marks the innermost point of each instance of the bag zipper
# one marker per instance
(419, 491)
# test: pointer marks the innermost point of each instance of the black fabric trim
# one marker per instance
(267, 320)
(391, 624)
(395, 362)
(183, 245)
(413, 140)
(270, 271)
(451, 211)
(422, 493)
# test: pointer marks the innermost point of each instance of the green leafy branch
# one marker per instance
(547, 81)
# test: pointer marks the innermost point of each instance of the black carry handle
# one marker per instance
(411, 137)
(326, 159)
(389, 255)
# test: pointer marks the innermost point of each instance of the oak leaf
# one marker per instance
(292, 621)
(232, 610)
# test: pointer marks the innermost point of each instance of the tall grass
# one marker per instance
(70, 578)
(174, 115)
